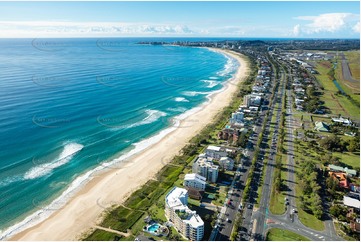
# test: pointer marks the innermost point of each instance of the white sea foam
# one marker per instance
(194, 93)
(214, 78)
(229, 67)
(210, 83)
(178, 109)
(152, 116)
(8, 180)
(64, 157)
(181, 99)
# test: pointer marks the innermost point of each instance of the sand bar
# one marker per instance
(114, 186)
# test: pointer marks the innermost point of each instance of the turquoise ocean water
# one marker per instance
(69, 107)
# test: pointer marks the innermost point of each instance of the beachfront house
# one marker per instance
(229, 133)
(188, 223)
(195, 181)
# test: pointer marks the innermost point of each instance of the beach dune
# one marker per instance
(84, 210)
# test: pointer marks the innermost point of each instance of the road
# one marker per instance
(261, 214)
(346, 73)
(238, 185)
(224, 230)
(289, 219)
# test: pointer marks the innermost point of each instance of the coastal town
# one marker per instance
(180, 120)
(280, 163)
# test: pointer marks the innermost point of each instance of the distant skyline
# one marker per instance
(305, 19)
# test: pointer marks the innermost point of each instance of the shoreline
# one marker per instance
(83, 210)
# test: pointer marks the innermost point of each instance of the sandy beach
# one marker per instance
(85, 209)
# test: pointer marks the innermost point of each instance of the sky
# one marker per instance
(301, 19)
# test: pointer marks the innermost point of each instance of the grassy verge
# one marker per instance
(307, 219)
(277, 200)
(284, 235)
(338, 104)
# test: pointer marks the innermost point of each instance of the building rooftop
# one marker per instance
(345, 169)
(351, 202)
(321, 126)
(215, 148)
(224, 158)
(194, 176)
(195, 221)
(173, 198)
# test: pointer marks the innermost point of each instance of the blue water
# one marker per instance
(152, 228)
(338, 86)
(69, 106)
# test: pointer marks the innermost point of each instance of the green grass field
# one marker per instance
(338, 104)
(349, 158)
(276, 234)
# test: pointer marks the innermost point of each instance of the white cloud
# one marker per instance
(296, 30)
(86, 29)
(328, 22)
(356, 27)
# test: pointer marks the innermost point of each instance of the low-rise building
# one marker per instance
(228, 133)
(322, 127)
(215, 152)
(340, 177)
(342, 120)
(351, 202)
(349, 172)
(237, 117)
(186, 221)
(195, 181)
(226, 163)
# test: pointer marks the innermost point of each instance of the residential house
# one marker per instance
(321, 126)
(349, 172)
(340, 177)
(228, 133)
(342, 120)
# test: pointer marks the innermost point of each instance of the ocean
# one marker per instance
(72, 107)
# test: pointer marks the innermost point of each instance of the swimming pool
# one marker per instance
(152, 228)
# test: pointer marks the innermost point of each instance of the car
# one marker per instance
(294, 210)
(249, 206)
(240, 206)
